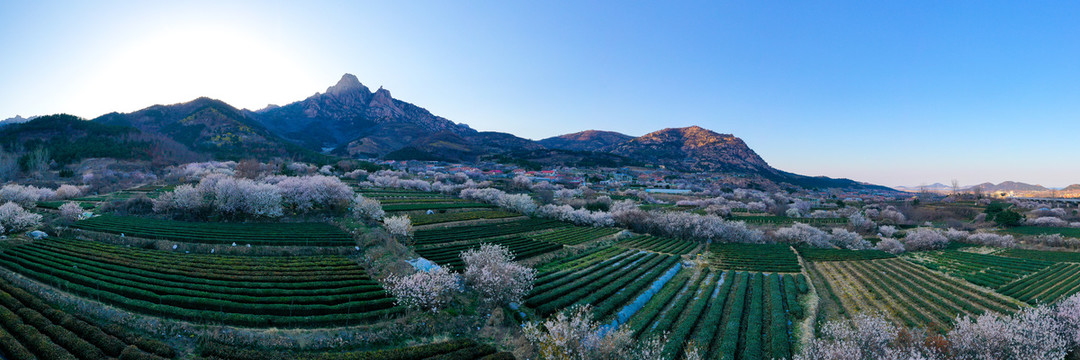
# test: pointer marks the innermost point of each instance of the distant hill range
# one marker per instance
(16, 120)
(1007, 187)
(350, 120)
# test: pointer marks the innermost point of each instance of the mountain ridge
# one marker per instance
(350, 120)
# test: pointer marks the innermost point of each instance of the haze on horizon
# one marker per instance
(902, 93)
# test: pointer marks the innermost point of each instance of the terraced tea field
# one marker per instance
(726, 315)
(450, 255)
(820, 254)
(435, 206)
(784, 220)
(287, 292)
(754, 257)
(438, 218)
(983, 270)
(908, 294)
(1055, 256)
(473, 232)
(274, 234)
(462, 349)
(606, 282)
(575, 235)
(659, 244)
(1047, 285)
(33, 329)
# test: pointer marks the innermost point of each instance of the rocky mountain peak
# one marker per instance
(348, 83)
(694, 148)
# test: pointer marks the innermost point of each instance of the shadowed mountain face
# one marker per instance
(589, 140)
(210, 127)
(348, 115)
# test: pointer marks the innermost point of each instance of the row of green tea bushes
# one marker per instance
(521, 247)
(1055, 256)
(240, 291)
(983, 270)
(150, 188)
(389, 192)
(824, 254)
(575, 235)
(436, 206)
(33, 329)
(277, 234)
(262, 286)
(448, 350)
(754, 257)
(772, 220)
(472, 231)
(1046, 286)
(55, 205)
(911, 295)
(659, 244)
(430, 200)
(582, 267)
(725, 315)
(595, 284)
(577, 261)
(1045, 230)
(428, 219)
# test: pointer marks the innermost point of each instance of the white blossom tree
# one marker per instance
(491, 271)
(576, 216)
(400, 226)
(425, 290)
(573, 335)
(802, 234)
(1045, 332)
(992, 239)
(890, 245)
(521, 182)
(366, 208)
(861, 223)
(849, 240)
(924, 239)
(184, 198)
(25, 196)
(303, 193)
(1048, 221)
(66, 191)
(516, 202)
(887, 230)
(70, 211)
(13, 218)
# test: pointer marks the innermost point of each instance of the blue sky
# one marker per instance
(895, 93)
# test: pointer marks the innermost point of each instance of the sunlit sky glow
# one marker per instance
(905, 93)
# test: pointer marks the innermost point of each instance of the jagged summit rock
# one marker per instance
(348, 83)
